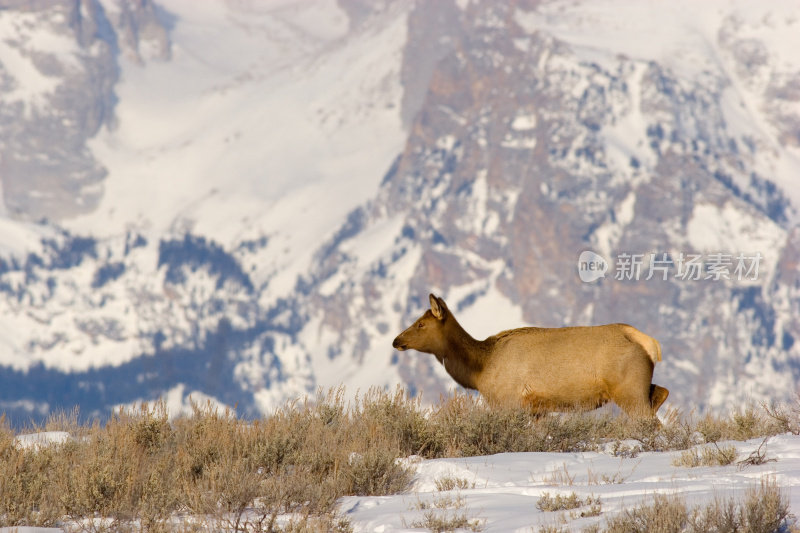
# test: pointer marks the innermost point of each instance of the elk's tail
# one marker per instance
(650, 345)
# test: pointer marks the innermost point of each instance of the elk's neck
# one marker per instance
(462, 356)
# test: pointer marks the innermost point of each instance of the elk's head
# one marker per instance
(426, 334)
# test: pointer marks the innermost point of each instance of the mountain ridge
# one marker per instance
(389, 156)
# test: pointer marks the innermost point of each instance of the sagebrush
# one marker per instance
(764, 509)
(142, 470)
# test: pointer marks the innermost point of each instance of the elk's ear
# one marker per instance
(436, 307)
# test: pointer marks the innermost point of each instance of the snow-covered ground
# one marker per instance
(501, 491)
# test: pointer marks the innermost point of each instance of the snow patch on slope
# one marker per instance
(608, 235)
(730, 230)
(177, 401)
(35, 441)
(490, 313)
(233, 141)
(27, 36)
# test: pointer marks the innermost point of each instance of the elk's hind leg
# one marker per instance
(632, 391)
(657, 396)
(634, 405)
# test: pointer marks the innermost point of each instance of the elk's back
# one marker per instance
(566, 365)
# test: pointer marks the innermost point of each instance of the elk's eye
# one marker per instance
(420, 325)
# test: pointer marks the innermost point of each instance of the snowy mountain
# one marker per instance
(243, 201)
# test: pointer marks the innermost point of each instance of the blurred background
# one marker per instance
(242, 201)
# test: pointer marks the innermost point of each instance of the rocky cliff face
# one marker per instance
(55, 97)
(532, 132)
(57, 88)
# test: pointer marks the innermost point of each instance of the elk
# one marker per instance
(544, 369)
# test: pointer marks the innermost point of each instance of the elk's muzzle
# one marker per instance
(398, 344)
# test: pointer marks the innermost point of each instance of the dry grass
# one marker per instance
(446, 513)
(447, 483)
(665, 515)
(757, 457)
(749, 422)
(786, 416)
(560, 476)
(707, 456)
(615, 479)
(560, 502)
(141, 470)
(764, 509)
